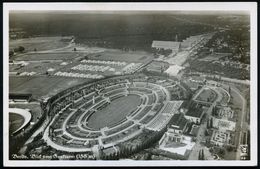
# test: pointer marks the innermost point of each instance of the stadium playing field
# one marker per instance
(114, 112)
(207, 95)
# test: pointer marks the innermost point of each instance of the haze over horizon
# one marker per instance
(183, 12)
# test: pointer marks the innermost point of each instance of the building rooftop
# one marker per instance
(197, 78)
(178, 121)
(194, 112)
(166, 44)
(193, 85)
(23, 96)
(187, 104)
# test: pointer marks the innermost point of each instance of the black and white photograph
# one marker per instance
(130, 84)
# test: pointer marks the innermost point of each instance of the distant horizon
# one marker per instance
(128, 12)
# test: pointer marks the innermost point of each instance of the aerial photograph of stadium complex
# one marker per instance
(123, 85)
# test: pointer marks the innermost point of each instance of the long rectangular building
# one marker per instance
(166, 45)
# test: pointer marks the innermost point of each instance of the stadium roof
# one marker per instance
(166, 44)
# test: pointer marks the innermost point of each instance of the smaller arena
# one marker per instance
(18, 119)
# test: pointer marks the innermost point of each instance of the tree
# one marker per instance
(222, 152)
(127, 151)
(11, 53)
(149, 156)
(211, 122)
(206, 133)
(214, 111)
(199, 158)
(202, 155)
(19, 49)
(208, 124)
(229, 148)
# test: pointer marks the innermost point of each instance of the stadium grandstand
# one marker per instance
(95, 114)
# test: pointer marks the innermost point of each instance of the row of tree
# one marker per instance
(18, 49)
(126, 150)
(201, 155)
(210, 123)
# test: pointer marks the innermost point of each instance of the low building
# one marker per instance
(174, 46)
(212, 83)
(223, 124)
(224, 112)
(174, 139)
(178, 123)
(182, 148)
(224, 119)
(221, 138)
(186, 44)
(177, 127)
(20, 97)
(197, 79)
(195, 114)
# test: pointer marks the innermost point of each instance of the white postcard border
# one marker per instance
(195, 6)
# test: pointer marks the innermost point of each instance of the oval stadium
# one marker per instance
(103, 114)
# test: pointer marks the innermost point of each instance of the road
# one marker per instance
(243, 126)
(201, 133)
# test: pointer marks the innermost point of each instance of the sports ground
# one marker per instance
(15, 121)
(114, 112)
(118, 112)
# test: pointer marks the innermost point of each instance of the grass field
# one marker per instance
(42, 85)
(114, 112)
(40, 43)
(49, 56)
(15, 121)
(117, 55)
(38, 67)
(207, 95)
